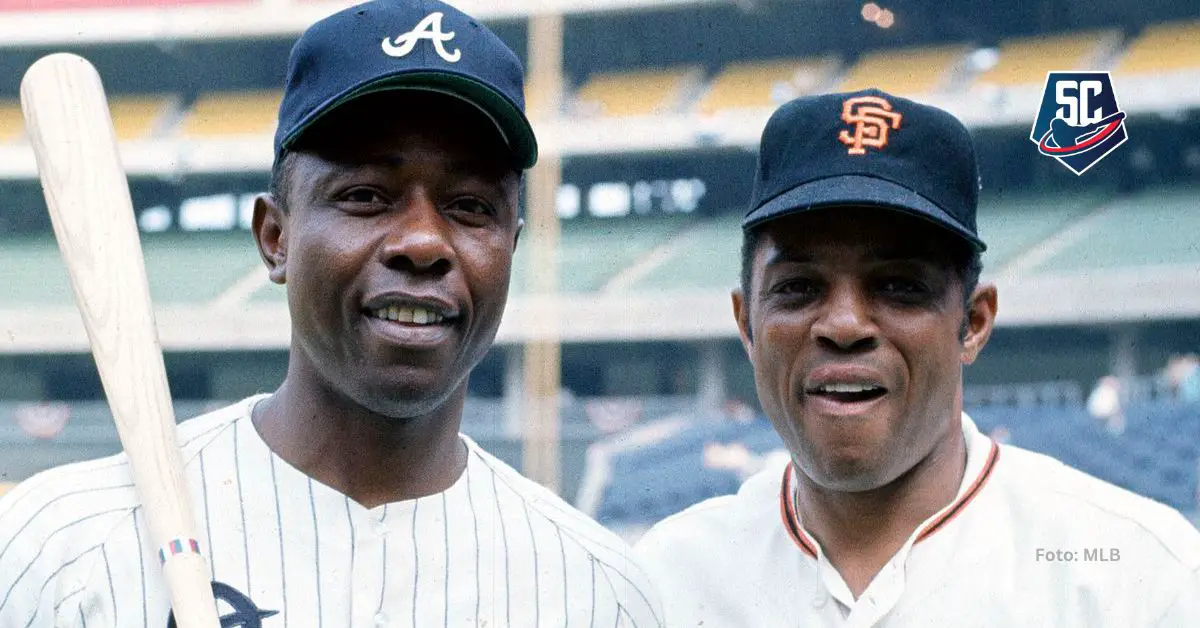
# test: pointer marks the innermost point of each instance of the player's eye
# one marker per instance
(796, 287)
(364, 196)
(904, 288)
(470, 206)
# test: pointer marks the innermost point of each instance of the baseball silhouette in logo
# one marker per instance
(1063, 138)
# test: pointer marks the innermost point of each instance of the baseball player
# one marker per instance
(859, 307)
(348, 497)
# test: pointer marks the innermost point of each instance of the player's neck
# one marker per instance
(373, 459)
(860, 532)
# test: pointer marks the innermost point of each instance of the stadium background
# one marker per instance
(649, 119)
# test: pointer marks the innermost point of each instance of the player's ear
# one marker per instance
(270, 233)
(981, 317)
(741, 313)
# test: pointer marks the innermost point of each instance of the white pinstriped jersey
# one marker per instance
(495, 549)
(1027, 543)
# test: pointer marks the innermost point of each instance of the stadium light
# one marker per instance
(886, 19)
(870, 12)
(983, 59)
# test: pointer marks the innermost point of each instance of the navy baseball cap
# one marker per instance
(404, 45)
(867, 148)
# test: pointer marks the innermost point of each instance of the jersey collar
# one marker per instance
(982, 455)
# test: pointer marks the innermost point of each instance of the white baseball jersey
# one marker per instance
(495, 549)
(1027, 543)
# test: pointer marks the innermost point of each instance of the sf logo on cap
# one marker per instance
(430, 27)
(872, 118)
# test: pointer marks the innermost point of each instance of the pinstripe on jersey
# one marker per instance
(494, 549)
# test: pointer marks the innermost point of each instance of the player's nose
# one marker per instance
(417, 238)
(844, 322)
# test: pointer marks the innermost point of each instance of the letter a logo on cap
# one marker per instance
(430, 27)
(872, 118)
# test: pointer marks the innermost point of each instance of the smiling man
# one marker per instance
(860, 305)
(348, 497)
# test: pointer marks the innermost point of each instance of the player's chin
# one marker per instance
(837, 428)
(849, 471)
(416, 395)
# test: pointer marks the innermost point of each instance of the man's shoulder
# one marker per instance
(1050, 494)
(752, 512)
(197, 432)
(59, 517)
(545, 504)
(93, 491)
(605, 551)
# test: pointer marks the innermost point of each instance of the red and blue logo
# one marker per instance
(1079, 122)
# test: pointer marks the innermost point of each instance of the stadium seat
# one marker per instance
(232, 113)
(197, 267)
(12, 125)
(764, 84)
(180, 267)
(135, 117)
(654, 481)
(1163, 48)
(1026, 60)
(33, 272)
(905, 72)
(1154, 227)
(708, 257)
(1013, 224)
(638, 93)
(592, 251)
(1157, 455)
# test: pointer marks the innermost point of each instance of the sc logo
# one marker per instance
(1079, 121)
(1076, 96)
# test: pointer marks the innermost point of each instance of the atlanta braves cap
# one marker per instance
(867, 148)
(404, 45)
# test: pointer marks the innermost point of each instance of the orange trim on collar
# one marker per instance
(791, 522)
(966, 498)
(787, 512)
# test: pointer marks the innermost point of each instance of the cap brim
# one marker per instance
(508, 118)
(857, 190)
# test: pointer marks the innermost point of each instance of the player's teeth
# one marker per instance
(416, 315)
(847, 388)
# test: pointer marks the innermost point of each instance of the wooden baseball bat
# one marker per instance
(67, 117)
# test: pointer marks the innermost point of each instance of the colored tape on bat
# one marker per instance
(177, 547)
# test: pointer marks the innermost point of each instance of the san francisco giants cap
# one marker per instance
(867, 148)
(423, 45)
